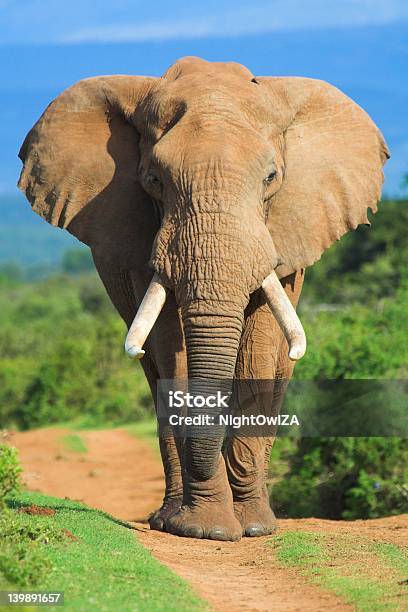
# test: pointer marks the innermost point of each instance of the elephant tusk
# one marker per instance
(145, 318)
(286, 316)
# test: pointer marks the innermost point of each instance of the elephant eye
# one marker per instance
(153, 180)
(268, 180)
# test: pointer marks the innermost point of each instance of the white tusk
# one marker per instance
(145, 318)
(286, 316)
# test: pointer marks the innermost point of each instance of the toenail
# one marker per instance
(218, 533)
(156, 523)
(194, 531)
(254, 530)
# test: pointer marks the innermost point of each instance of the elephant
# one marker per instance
(204, 195)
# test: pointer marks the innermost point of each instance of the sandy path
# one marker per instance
(122, 475)
(118, 474)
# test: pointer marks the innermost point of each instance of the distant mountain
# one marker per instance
(27, 239)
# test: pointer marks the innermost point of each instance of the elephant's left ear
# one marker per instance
(333, 157)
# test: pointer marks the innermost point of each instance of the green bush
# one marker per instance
(23, 562)
(357, 341)
(10, 472)
(22, 559)
(344, 478)
(63, 358)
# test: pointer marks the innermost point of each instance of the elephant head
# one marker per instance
(241, 180)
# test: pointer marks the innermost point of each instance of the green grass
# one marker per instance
(106, 568)
(23, 561)
(366, 575)
(74, 443)
(299, 549)
(392, 555)
(145, 430)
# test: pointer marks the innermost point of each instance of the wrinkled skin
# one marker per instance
(212, 178)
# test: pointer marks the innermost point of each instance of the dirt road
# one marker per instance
(122, 475)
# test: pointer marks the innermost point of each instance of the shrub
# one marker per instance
(63, 357)
(344, 478)
(10, 472)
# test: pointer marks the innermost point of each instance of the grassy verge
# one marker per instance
(370, 576)
(95, 559)
(145, 430)
(74, 443)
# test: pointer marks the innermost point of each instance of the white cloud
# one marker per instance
(149, 31)
(76, 21)
(257, 17)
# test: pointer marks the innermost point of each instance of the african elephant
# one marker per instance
(208, 191)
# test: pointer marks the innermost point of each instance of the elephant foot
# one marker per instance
(207, 510)
(210, 521)
(256, 517)
(158, 518)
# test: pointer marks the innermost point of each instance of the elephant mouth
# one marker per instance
(279, 303)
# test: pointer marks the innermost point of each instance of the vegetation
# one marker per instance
(344, 478)
(62, 356)
(10, 472)
(354, 309)
(77, 261)
(96, 560)
(370, 576)
(74, 443)
(22, 562)
(62, 361)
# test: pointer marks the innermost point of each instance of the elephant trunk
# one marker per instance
(212, 342)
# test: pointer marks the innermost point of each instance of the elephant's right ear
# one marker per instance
(81, 159)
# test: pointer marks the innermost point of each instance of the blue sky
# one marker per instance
(82, 21)
(359, 45)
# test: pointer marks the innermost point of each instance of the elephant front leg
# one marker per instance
(263, 357)
(170, 450)
(207, 510)
(246, 460)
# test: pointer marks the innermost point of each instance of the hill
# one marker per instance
(29, 241)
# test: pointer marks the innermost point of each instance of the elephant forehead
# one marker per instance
(198, 139)
(229, 97)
